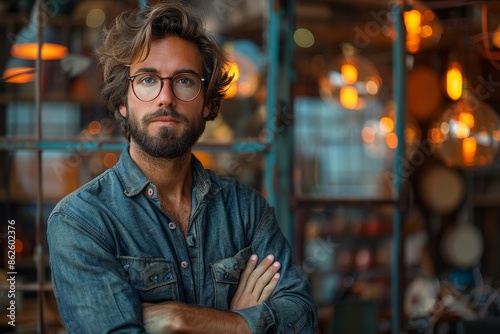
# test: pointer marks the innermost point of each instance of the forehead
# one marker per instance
(170, 55)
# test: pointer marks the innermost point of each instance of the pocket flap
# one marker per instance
(228, 270)
(148, 273)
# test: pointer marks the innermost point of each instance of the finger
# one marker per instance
(245, 274)
(262, 268)
(265, 278)
(269, 288)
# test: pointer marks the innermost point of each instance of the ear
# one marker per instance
(123, 110)
(206, 110)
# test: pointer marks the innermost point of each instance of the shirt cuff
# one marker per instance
(259, 318)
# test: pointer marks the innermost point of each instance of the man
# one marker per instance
(157, 243)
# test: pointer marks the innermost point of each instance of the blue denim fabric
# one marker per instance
(112, 247)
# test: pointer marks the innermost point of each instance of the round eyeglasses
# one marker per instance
(185, 86)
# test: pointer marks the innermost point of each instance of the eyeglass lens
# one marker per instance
(185, 86)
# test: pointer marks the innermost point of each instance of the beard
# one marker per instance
(165, 144)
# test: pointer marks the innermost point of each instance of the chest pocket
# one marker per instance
(226, 275)
(154, 279)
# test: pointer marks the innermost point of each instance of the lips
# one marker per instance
(164, 119)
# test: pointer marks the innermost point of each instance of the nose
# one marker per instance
(166, 97)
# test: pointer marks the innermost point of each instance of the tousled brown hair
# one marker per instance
(129, 40)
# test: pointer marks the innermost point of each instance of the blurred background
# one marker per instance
(372, 126)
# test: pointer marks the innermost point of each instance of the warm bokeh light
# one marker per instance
(234, 71)
(19, 75)
(454, 81)
(391, 140)
(423, 28)
(413, 21)
(426, 31)
(372, 86)
(429, 15)
(466, 118)
(469, 147)
(495, 38)
(349, 97)
(460, 130)
(413, 43)
(94, 128)
(466, 136)
(386, 124)
(110, 159)
(349, 73)
(50, 51)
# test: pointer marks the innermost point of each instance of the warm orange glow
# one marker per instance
(426, 31)
(466, 118)
(372, 86)
(412, 42)
(495, 38)
(349, 97)
(349, 74)
(94, 128)
(436, 136)
(368, 134)
(410, 135)
(454, 81)
(413, 20)
(461, 130)
(429, 15)
(233, 71)
(19, 75)
(386, 124)
(19, 246)
(391, 140)
(110, 159)
(496, 135)
(469, 146)
(50, 51)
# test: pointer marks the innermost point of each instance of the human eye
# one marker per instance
(148, 80)
(185, 80)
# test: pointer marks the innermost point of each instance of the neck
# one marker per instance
(171, 177)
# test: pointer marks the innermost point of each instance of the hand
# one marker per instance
(155, 317)
(256, 284)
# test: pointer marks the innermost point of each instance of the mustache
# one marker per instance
(164, 113)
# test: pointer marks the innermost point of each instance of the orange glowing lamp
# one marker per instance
(349, 97)
(454, 81)
(27, 43)
(349, 73)
(19, 71)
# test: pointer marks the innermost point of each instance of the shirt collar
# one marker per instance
(134, 181)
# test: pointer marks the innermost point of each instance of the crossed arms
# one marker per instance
(256, 284)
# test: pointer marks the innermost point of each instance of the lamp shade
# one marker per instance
(19, 71)
(26, 43)
(352, 81)
(468, 133)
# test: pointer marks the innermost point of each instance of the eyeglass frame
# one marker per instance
(132, 77)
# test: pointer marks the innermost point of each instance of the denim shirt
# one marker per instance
(112, 247)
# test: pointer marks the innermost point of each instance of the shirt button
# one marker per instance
(184, 264)
(150, 192)
(172, 226)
